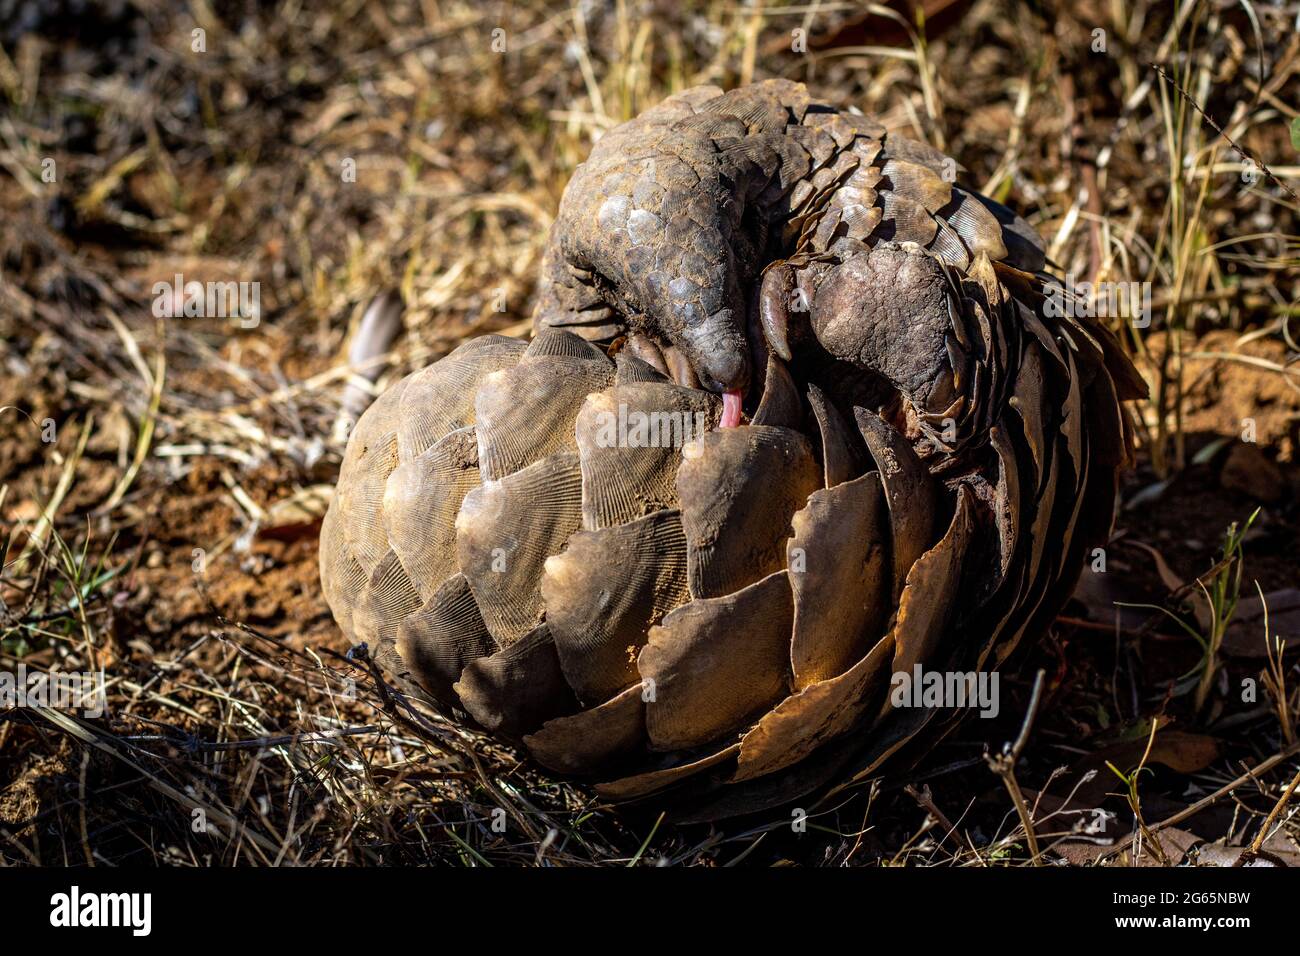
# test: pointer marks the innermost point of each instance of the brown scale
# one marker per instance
(928, 460)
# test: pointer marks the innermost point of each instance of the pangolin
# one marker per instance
(554, 541)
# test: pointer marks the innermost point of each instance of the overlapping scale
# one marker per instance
(567, 550)
(738, 490)
(526, 412)
(421, 501)
(591, 739)
(714, 662)
(381, 607)
(717, 610)
(506, 530)
(440, 397)
(519, 687)
(910, 493)
(371, 456)
(605, 590)
(841, 576)
(342, 577)
(630, 440)
(445, 635)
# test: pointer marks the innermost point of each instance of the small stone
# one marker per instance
(1249, 471)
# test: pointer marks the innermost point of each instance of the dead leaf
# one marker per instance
(1167, 576)
(1245, 635)
(297, 513)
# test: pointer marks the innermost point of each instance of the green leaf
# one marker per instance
(1295, 132)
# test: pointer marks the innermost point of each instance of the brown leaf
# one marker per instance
(1245, 635)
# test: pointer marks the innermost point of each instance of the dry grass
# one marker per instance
(166, 532)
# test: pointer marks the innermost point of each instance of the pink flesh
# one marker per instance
(730, 409)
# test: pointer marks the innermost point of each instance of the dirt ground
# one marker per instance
(162, 479)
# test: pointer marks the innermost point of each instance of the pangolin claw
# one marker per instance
(774, 304)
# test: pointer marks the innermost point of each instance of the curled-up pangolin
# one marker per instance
(556, 540)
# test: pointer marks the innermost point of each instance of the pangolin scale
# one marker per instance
(930, 455)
